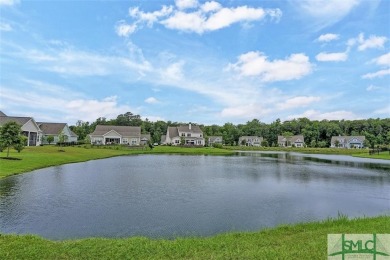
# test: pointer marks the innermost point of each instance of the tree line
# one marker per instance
(316, 133)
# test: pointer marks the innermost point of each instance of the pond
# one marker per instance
(175, 195)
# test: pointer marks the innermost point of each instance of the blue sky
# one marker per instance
(206, 62)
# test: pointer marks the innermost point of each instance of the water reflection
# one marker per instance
(168, 196)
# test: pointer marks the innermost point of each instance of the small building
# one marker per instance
(290, 141)
(55, 130)
(347, 142)
(215, 140)
(29, 128)
(250, 140)
(112, 134)
(188, 134)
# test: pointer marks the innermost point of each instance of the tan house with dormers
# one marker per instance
(29, 128)
(289, 141)
(112, 134)
(190, 134)
(250, 140)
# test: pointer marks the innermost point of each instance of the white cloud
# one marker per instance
(257, 64)
(372, 88)
(9, 2)
(377, 74)
(185, 4)
(209, 16)
(317, 115)
(173, 71)
(328, 37)
(252, 110)
(124, 29)
(383, 60)
(326, 12)
(335, 56)
(299, 101)
(151, 100)
(5, 27)
(373, 41)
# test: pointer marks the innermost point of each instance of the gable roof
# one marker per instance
(172, 131)
(186, 128)
(291, 139)
(51, 128)
(2, 114)
(122, 130)
(213, 138)
(20, 120)
(345, 138)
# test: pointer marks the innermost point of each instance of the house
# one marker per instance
(214, 140)
(347, 141)
(163, 138)
(289, 141)
(189, 134)
(250, 140)
(29, 127)
(112, 134)
(55, 129)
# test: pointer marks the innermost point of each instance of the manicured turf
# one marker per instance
(45, 156)
(382, 155)
(301, 241)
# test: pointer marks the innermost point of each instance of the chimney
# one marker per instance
(189, 126)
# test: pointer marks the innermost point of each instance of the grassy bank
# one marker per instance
(301, 150)
(301, 241)
(33, 158)
(382, 155)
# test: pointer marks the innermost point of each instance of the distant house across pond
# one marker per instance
(111, 134)
(28, 125)
(289, 141)
(250, 140)
(188, 134)
(215, 140)
(347, 141)
(55, 130)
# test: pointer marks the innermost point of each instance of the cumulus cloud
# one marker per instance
(5, 27)
(185, 4)
(190, 16)
(333, 56)
(174, 71)
(151, 100)
(328, 37)
(373, 42)
(383, 60)
(377, 74)
(318, 115)
(124, 29)
(257, 64)
(300, 101)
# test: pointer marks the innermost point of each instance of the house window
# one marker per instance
(176, 141)
(188, 135)
(200, 135)
(183, 134)
(125, 140)
(133, 141)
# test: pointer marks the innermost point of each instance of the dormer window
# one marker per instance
(188, 135)
(183, 134)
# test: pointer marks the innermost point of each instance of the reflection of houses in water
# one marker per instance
(29, 127)
(347, 141)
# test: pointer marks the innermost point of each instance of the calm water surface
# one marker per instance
(172, 195)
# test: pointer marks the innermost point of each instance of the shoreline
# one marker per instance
(293, 241)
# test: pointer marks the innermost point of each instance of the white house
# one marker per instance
(55, 129)
(215, 140)
(190, 134)
(289, 141)
(250, 140)
(28, 125)
(111, 134)
(347, 141)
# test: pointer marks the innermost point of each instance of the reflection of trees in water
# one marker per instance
(7, 186)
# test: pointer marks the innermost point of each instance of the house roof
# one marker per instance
(20, 120)
(163, 138)
(2, 114)
(213, 138)
(346, 138)
(172, 131)
(249, 137)
(51, 128)
(122, 130)
(186, 128)
(291, 139)
(145, 137)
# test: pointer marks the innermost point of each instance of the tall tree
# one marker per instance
(10, 135)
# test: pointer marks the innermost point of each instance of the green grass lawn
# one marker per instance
(382, 155)
(301, 241)
(45, 156)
